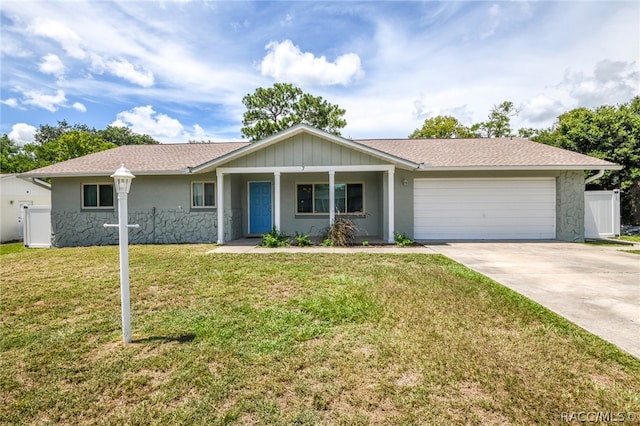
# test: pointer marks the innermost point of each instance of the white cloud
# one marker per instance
(48, 102)
(286, 62)
(144, 120)
(11, 47)
(541, 108)
(287, 21)
(51, 64)
(198, 132)
(79, 107)
(11, 102)
(68, 39)
(123, 69)
(612, 82)
(22, 133)
(493, 19)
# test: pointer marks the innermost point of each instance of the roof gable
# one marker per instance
(306, 138)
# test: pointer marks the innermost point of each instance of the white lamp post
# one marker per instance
(122, 178)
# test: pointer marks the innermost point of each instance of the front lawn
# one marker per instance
(290, 339)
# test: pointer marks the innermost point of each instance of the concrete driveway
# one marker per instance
(596, 287)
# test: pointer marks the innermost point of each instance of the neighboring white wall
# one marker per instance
(15, 192)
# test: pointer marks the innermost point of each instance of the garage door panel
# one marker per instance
(516, 208)
(453, 207)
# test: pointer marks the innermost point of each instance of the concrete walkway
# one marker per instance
(250, 245)
(596, 287)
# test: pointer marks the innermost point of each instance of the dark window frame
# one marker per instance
(102, 200)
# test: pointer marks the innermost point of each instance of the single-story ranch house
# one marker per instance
(302, 178)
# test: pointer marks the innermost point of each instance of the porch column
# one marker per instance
(276, 202)
(332, 197)
(220, 205)
(391, 204)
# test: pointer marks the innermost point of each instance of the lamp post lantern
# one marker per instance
(122, 179)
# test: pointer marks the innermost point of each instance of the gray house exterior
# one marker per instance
(428, 189)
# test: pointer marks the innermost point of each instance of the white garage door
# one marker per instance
(463, 209)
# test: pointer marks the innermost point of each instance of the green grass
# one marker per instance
(11, 248)
(289, 339)
(631, 251)
(632, 238)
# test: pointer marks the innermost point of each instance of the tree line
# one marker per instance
(607, 132)
(53, 144)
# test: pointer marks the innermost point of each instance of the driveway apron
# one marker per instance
(596, 287)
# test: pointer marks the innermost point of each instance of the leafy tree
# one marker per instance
(499, 122)
(442, 126)
(279, 107)
(53, 144)
(47, 133)
(72, 144)
(119, 135)
(12, 157)
(611, 133)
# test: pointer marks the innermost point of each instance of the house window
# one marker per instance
(313, 198)
(97, 196)
(203, 194)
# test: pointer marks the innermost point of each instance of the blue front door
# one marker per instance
(259, 207)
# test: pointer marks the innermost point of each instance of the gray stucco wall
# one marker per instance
(570, 206)
(160, 205)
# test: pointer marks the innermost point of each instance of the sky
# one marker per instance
(178, 70)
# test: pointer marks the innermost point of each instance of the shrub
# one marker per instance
(342, 232)
(402, 240)
(274, 238)
(303, 240)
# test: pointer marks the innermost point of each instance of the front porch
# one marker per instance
(252, 200)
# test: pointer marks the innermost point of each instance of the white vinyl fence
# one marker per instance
(601, 214)
(37, 226)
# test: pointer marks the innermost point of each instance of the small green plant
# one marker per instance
(402, 240)
(303, 240)
(342, 232)
(365, 243)
(327, 242)
(274, 238)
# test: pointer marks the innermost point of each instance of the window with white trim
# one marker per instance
(203, 194)
(97, 196)
(313, 198)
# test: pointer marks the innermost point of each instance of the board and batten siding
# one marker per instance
(485, 208)
(305, 150)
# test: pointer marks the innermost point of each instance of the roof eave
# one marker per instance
(521, 168)
(103, 174)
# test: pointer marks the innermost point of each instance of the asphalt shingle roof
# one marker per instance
(482, 152)
(141, 159)
(433, 153)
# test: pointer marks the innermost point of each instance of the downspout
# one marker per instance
(594, 177)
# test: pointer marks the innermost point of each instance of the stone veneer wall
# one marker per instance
(73, 228)
(570, 206)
